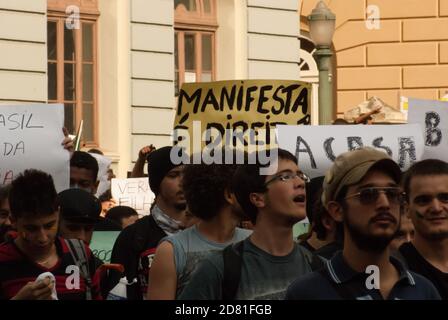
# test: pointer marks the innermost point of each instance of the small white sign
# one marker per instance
(134, 193)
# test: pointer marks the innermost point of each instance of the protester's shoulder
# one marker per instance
(422, 284)
(141, 228)
(141, 224)
(305, 286)
(180, 238)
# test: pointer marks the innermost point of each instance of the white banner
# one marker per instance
(134, 193)
(316, 147)
(31, 138)
(432, 115)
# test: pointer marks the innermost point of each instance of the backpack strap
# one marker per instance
(233, 259)
(79, 255)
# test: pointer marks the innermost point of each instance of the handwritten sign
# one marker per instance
(134, 193)
(102, 244)
(432, 115)
(316, 147)
(242, 106)
(30, 138)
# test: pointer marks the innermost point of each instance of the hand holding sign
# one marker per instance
(68, 142)
(30, 138)
(232, 112)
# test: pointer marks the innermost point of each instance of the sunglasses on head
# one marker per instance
(370, 195)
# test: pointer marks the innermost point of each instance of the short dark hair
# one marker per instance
(84, 160)
(204, 186)
(32, 194)
(247, 180)
(97, 151)
(120, 212)
(424, 168)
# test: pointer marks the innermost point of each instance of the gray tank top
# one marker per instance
(190, 247)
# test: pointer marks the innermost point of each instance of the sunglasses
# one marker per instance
(369, 196)
(289, 177)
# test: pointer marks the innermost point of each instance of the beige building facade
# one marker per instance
(118, 69)
(387, 49)
(134, 54)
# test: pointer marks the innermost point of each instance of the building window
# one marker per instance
(194, 41)
(72, 66)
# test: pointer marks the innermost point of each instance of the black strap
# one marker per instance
(344, 290)
(79, 255)
(233, 260)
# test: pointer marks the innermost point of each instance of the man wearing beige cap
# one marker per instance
(362, 190)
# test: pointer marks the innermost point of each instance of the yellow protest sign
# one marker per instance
(252, 107)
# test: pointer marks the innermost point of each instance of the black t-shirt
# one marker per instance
(134, 249)
(417, 263)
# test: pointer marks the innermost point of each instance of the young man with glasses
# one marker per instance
(269, 260)
(426, 186)
(362, 190)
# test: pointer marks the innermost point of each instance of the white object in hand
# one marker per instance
(49, 275)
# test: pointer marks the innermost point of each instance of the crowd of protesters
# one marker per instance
(375, 232)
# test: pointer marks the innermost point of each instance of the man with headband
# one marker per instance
(426, 186)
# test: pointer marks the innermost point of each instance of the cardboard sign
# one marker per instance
(316, 147)
(102, 244)
(30, 138)
(432, 115)
(242, 106)
(134, 193)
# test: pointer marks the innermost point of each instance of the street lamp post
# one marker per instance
(322, 25)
